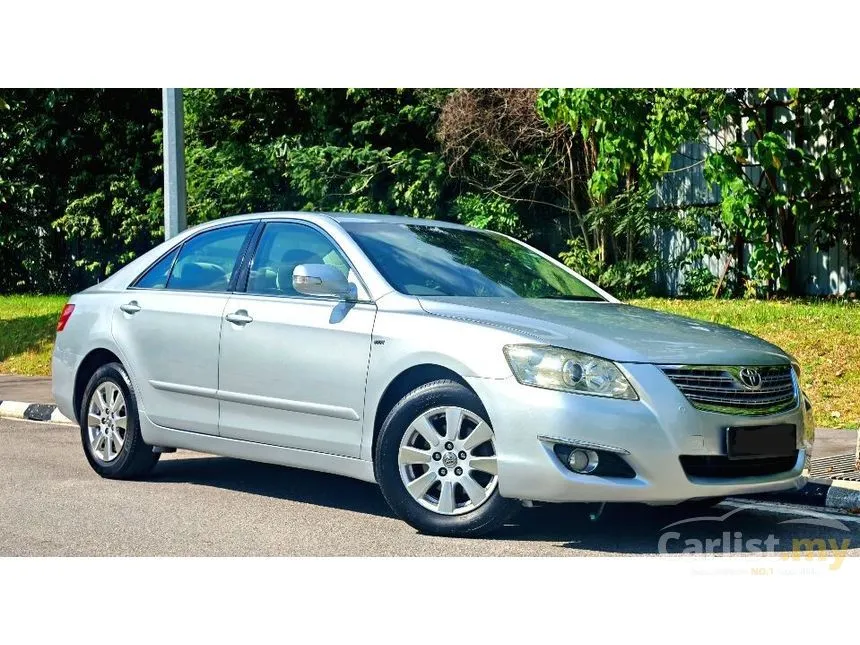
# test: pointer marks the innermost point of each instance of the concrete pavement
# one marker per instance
(31, 389)
(52, 503)
(28, 397)
(829, 443)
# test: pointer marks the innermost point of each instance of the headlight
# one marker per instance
(554, 368)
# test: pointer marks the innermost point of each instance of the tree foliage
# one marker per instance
(512, 161)
(81, 177)
(77, 177)
(786, 163)
(571, 170)
(634, 132)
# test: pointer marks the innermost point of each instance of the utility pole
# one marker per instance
(174, 162)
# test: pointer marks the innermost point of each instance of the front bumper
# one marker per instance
(652, 433)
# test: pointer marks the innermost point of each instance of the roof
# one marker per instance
(340, 218)
(390, 219)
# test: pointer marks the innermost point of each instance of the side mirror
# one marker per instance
(320, 280)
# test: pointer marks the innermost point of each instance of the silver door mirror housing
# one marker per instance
(320, 280)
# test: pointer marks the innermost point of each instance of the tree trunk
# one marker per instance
(631, 185)
(740, 267)
(789, 242)
(774, 215)
(580, 218)
(789, 220)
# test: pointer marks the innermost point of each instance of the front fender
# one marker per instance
(406, 339)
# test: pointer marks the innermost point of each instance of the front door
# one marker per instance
(293, 367)
(168, 326)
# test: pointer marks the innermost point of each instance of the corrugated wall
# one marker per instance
(830, 272)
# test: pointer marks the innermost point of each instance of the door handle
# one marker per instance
(130, 307)
(240, 317)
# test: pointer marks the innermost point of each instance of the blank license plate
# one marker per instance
(761, 441)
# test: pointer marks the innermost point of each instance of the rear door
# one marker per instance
(293, 367)
(168, 327)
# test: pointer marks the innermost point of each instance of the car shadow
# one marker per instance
(633, 529)
(734, 527)
(278, 482)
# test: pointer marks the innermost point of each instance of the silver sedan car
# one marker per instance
(465, 372)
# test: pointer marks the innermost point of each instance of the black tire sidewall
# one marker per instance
(124, 465)
(488, 517)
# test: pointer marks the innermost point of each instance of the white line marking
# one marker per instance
(847, 484)
(786, 509)
(35, 423)
(59, 417)
(13, 409)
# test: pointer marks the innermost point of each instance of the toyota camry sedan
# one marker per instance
(465, 372)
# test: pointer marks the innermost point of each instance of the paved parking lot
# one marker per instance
(51, 503)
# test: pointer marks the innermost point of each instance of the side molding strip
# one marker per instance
(304, 407)
(193, 390)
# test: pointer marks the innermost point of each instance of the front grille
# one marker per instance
(720, 389)
(715, 467)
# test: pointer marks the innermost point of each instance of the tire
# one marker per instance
(462, 500)
(129, 459)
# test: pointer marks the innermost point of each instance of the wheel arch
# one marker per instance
(403, 384)
(88, 366)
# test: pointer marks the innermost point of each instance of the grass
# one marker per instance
(27, 328)
(823, 335)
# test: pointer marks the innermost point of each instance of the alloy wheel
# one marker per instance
(107, 421)
(447, 460)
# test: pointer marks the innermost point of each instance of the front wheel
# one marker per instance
(110, 430)
(436, 463)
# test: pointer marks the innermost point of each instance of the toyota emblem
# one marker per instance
(750, 378)
(449, 459)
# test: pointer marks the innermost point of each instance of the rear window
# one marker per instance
(205, 262)
(157, 275)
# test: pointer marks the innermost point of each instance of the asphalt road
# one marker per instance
(51, 503)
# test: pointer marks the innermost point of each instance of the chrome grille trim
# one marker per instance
(718, 388)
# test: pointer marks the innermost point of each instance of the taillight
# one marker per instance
(64, 317)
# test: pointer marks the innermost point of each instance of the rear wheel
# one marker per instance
(436, 463)
(110, 430)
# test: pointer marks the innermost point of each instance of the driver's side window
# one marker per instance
(283, 246)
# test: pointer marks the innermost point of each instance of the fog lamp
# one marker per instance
(582, 461)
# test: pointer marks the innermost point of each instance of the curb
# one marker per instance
(826, 493)
(32, 412)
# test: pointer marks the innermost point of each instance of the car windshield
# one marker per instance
(425, 260)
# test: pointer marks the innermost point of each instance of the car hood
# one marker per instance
(619, 332)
